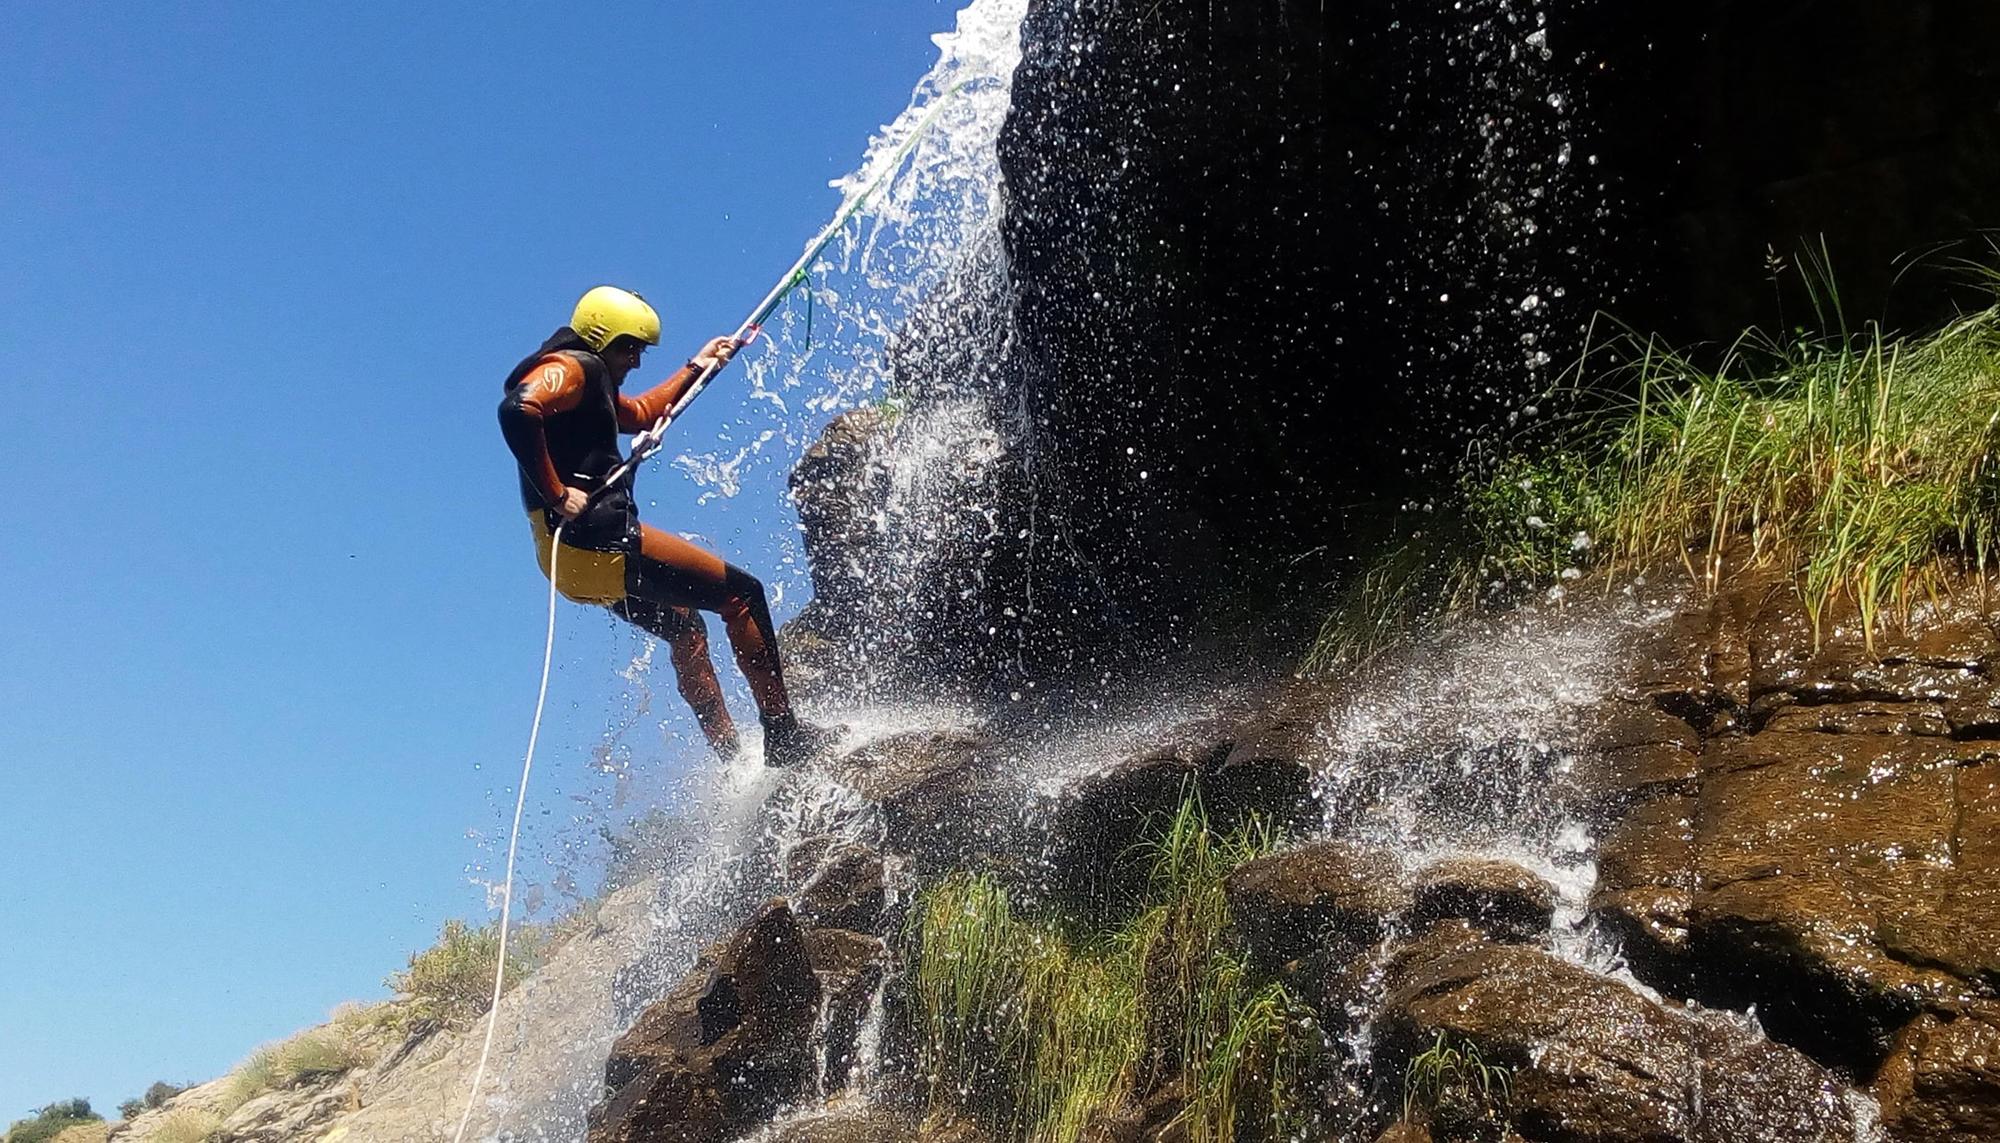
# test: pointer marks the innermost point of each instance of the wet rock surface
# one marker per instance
(944, 794)
(1826, 849)
(727, 1049)
(1501, 899)
(1591, 1059)
(1254, 763)
(1300, 901)
(1941, 1082)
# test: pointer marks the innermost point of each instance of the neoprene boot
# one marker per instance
(789, 742)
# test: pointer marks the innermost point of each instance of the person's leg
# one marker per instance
(670, 568)
(686, 637)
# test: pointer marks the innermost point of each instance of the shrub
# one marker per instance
(52, 1121)
(1032, 1030)
(451, 983)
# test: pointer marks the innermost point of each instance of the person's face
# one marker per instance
(622, 356)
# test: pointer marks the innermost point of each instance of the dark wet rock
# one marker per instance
(941, 793)
(870, 1124)
(1591, 1059)
(847, 890)
(1611, 780)
(1148, 1120)
(1831, 858)
(1646, 885)
(1499, 898)
(725, 1050)
(1290, 904)
(1835, 889)
(1941, 1082)
(850, 967)
(1254, 764)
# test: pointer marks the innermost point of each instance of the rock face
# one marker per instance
(1296, 902)
(1254, 763)
(1823, 848)
(726, 1050)
(1591, 1059)
(1337, 240)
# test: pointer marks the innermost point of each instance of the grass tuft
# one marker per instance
(312, 1055)
(187, 1125)
(1033, 1031)
(1456, 1088)
(1861, 464)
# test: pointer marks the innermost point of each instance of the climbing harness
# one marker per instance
(644, 445)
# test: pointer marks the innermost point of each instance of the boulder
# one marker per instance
(1291, 904)
(1941, 1082)
(725, 1050)
(1589, 1058)
(848, 891)
(1843, 882)
(1502, 899)
(850, 967)
(1254, 764)
(941, 793)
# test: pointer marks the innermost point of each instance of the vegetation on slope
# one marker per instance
(1860, 463)
(1032, 1029)
(52, 1121)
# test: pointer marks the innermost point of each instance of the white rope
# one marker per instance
(513, 841)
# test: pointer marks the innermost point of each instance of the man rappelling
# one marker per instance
(562, 415)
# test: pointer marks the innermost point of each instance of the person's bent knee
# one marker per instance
(743, 585)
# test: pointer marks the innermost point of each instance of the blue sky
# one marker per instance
(273, 622)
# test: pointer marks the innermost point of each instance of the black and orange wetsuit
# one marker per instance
(561, 416)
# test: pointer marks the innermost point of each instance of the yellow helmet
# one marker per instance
(607, 313)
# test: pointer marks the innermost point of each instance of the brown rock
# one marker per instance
(1591, 1059)
(850, 967)
(1904, 720)
(1645, 887)
(1257, 764)
(940, 793)
(1623, 776)
(1287, 904)
(1502, 899)
(848, 891)
(725, 1050)
(1404, 1131)
(1941, 1082)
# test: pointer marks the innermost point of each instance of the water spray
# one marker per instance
(647, 443)
(644, 445)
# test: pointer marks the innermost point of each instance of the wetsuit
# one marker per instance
(561, 416)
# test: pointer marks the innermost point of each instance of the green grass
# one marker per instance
(1860, 464)
(1456, 1089)
(314, 1054)
(451, 983)
(1031, 1029)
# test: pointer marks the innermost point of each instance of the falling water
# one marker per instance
(1461, 749)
